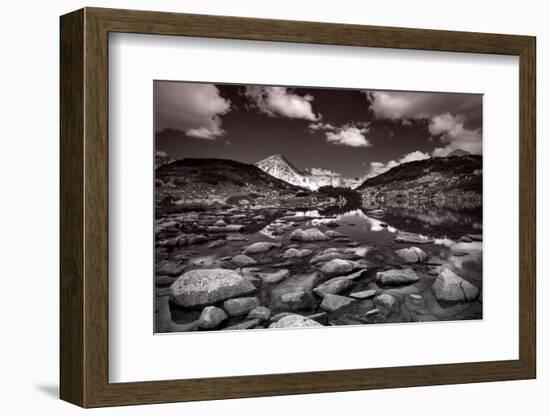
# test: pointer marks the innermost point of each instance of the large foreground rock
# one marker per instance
(397, 277)
(332, 302)
(211, 317)
(311, 234)
(208, 286)
(295, 321)
(412, 254)
(451, 287)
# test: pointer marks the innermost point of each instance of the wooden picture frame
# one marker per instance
(84, 207)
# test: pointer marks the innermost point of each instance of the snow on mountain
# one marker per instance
(279, 167)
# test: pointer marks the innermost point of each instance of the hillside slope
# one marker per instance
(208, 181)
(452, 180)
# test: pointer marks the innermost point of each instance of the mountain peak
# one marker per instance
(459, 152)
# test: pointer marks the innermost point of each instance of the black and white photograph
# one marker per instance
(296, 207)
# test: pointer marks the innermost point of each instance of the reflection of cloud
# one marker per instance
(190, 107)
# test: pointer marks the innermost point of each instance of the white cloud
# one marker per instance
(406, 106)
(349, 136)
(281, 102)
(352, 134)
(453, 133)
(376, 168)
(192, 108)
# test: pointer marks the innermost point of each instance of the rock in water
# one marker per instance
(332, 302)
(243, 260)
(412, 254)
(397, 277)
(451, 287)
(273, 277)
(206, 286)
(240, 306)
(413, 239)
(295, 321)
(291, 301)
(385, 302)
(334, 286)
(260, 247)
(259, 312)
(311, 234)
(294, 252)
(211, 317)
(334, 234)
(337, 267)
(364, 294)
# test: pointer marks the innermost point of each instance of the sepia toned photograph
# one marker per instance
(295, 207)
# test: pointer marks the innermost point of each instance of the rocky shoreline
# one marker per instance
(252, 267)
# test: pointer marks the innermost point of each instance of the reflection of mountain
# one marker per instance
(278, 166)
(434, 221)
(442, 180)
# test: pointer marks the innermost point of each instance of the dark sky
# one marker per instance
(353, 132)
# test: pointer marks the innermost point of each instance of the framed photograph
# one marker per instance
(260, 207)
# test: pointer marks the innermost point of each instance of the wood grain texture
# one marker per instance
(71, 208)
(84, 202)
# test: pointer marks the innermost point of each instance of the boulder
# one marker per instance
(296, 253)
(333, 286)
(449, 286)
(260, 247)
(363, 294)
(259, 312)
(292, 301)
(211, 317)
(333, 302)
(337, 267)
(413, 239)
(311, 234)
(334, 234)
(207, 286)
(327, 256)
(412, 254)
(243, 260)
(240, 306)
(385, 302)
(397, 277)
(273, 277)
(295, 321)
(220, 223)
